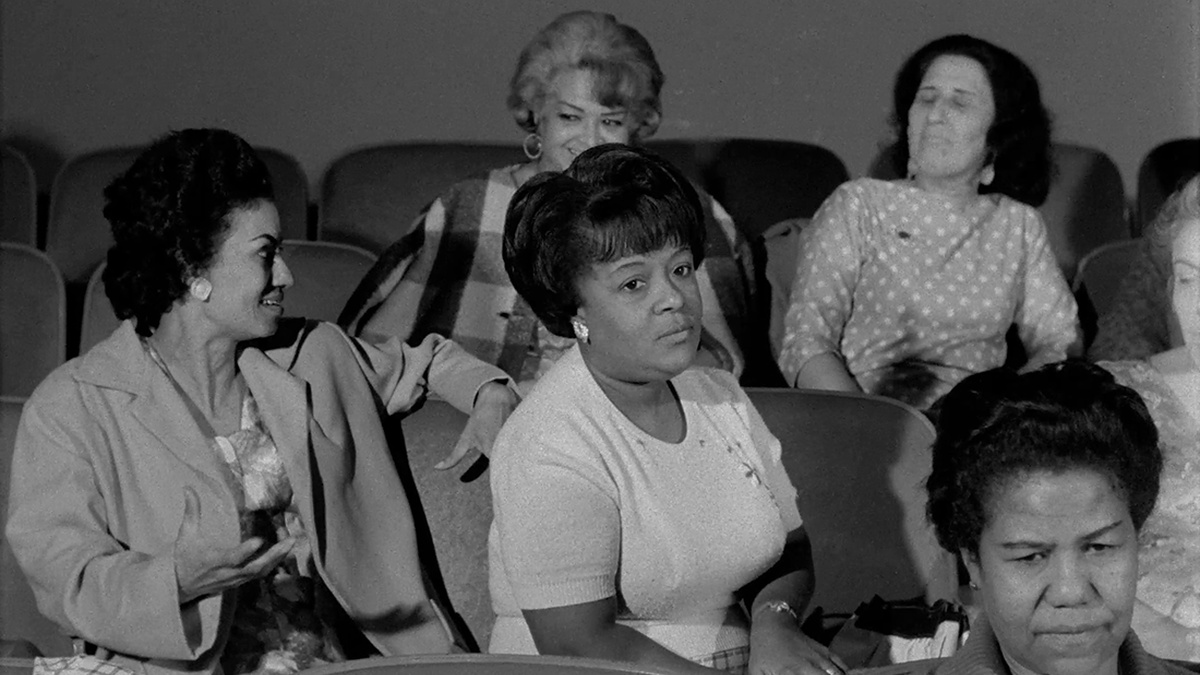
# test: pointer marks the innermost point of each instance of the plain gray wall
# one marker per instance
(319, 78)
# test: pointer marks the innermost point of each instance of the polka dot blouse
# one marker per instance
(915, 293)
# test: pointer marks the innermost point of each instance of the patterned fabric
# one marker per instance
(736, 660)
(915, 294)
(280, 623)
(1137, 325)
(80, 664)
(446, 276)
(588, 506)
(1169, 558)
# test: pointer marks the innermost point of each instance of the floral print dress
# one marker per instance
(284, 622)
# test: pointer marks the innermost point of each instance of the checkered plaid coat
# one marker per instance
(446, 276)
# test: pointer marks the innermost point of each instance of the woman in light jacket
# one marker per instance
(211, 487)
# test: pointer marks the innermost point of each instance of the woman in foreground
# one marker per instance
(210, 489)
(642, 512)
(1041, 482)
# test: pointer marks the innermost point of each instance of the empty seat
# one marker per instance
(325, 274)
(18, 198)
(1164, 169)
(859, 463)
(98, 320)
(453, 517)
(1084, 210)
(33, 332)
(762, 182)
(78, 236)
(1102, 271)
(370, 197)
(20, 621)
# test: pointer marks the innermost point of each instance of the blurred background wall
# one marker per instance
(318, 78)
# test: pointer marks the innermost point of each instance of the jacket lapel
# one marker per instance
(282, 400)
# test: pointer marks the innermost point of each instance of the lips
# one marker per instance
(679, 332)
(273, 301)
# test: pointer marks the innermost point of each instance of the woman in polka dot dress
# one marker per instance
(904, 288)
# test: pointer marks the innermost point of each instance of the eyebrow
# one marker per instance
(1184, 261)
(1096, 534)
(271, 239)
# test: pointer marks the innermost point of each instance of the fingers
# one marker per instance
(191, 513)
(270, 558)
(461, 450)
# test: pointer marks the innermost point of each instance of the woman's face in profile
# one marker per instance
(1185, 284)
(1057, 571)
(572, 120)
(949, 119)
(248, 275)
(643, 315)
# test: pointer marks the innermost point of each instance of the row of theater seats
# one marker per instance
(370, 196)
(857, 462)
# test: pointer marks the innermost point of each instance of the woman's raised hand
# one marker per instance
(203, 567)
(493, 404)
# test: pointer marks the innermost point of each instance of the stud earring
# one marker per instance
(974, 586)
(201, 288)
(534, 152)
(987, 175)
(581, 331)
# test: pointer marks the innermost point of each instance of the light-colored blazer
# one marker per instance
(106, 447)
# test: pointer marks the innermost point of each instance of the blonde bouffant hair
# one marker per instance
(625, 72)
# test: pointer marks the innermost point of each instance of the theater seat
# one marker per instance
(325, 275)
(371, 196)
(18, 198)
(859, 463)
(20, 621)
(1084, 209)
(453, 517)
(485, 664)
(1164, 170)
(33, 331)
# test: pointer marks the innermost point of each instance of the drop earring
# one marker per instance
(201, 288)
(987, 175)
(581, 331)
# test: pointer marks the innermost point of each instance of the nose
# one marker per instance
(1070, 584)
(937, 111)
(672, 297)
(281, 274)
(591, 135)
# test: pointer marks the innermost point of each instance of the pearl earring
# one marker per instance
(581, 330)
(201, 288)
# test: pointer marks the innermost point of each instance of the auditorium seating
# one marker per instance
(371, 196)
(33, 332)
(1163, 170)
(325, 274)
(18, 198)
(1085, 208)
(1102, 271)
(859, 463)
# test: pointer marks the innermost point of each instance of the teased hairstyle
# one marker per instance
(1181, 207)
(613, 201)
(1019, 140)
(997, 426)
(169, 212)
(625, 72)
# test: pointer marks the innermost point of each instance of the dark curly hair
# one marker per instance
(1019, 140)
(613, 201)
(168, 214)
(997, 426)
